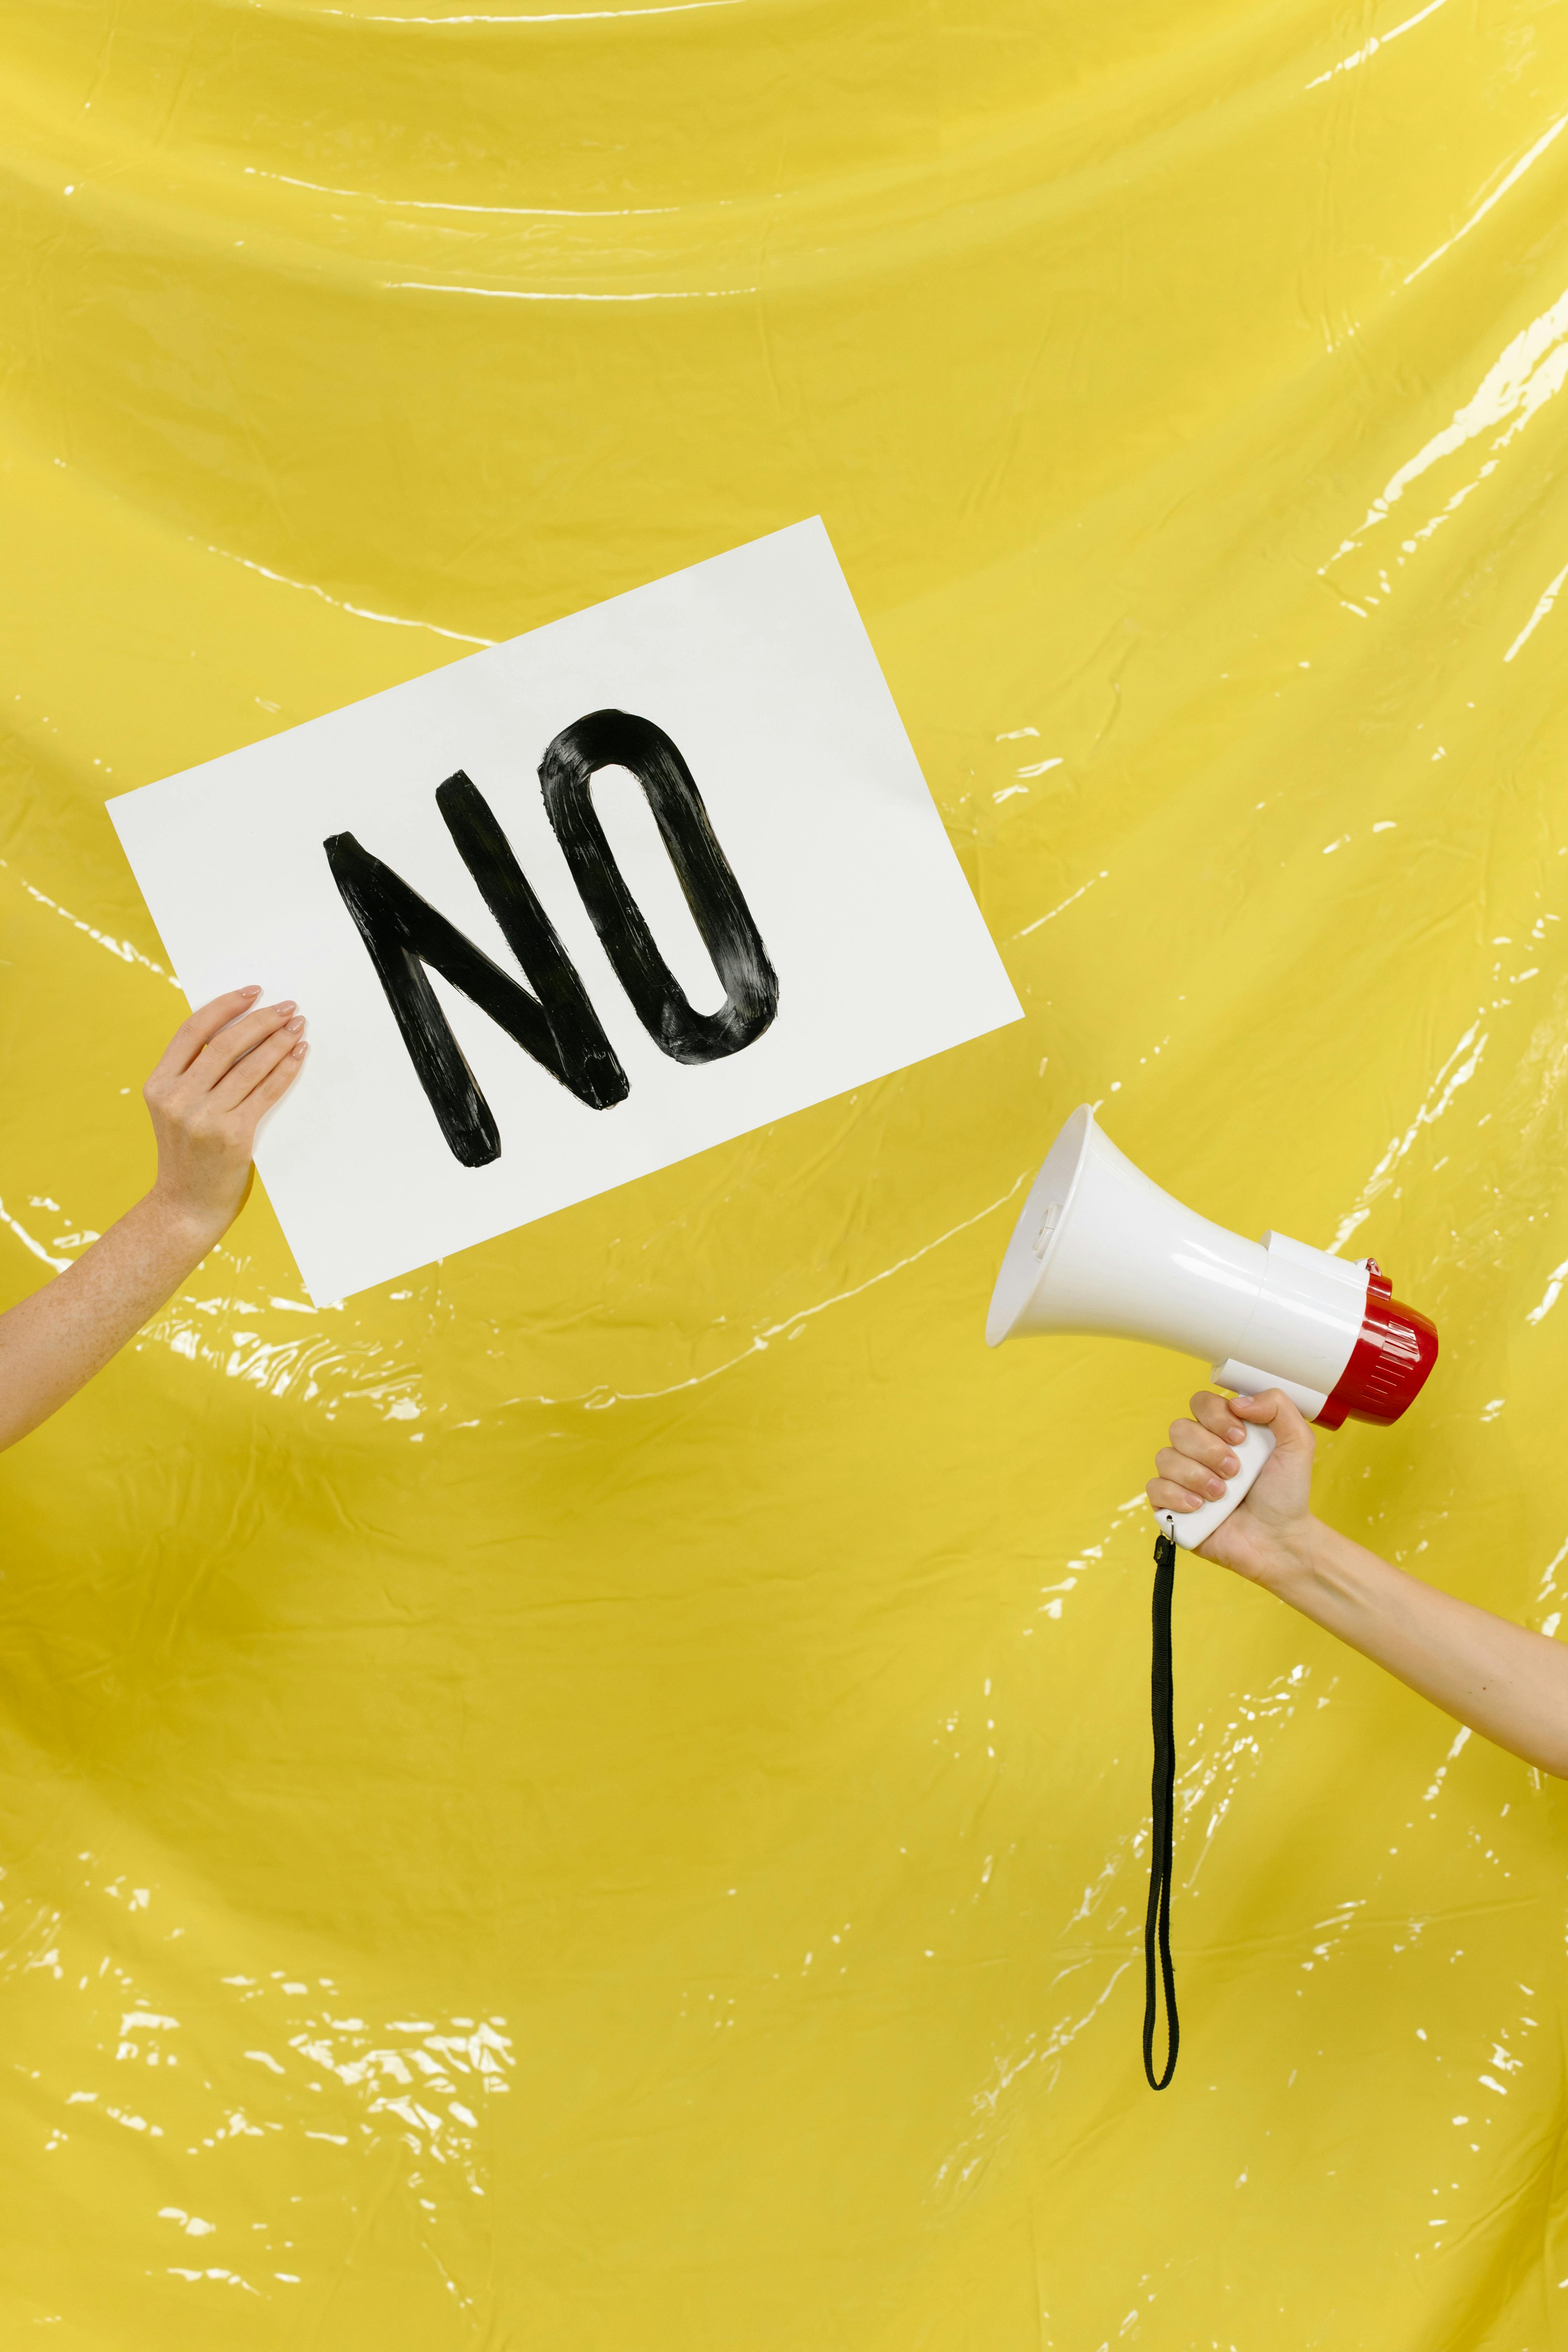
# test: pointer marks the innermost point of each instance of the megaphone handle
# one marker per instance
(1190, 1529)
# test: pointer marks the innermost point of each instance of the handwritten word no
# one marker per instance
(556, 1023)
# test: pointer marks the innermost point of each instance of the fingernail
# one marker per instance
(1216, 1488)
(255, 991)
(296, 1024)
(301, 1050)
(288, 1005)
(1229, 1464)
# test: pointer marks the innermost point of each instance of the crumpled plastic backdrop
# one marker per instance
(595, 1797)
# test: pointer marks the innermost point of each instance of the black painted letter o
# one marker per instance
(617, 738)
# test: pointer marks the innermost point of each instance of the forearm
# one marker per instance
(1505, 1682)
(54, 1341)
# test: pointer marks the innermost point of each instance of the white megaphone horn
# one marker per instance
(1100, 1249)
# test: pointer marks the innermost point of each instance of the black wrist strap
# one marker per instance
(1157, 1920)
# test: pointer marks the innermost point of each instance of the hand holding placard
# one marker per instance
(575, 908)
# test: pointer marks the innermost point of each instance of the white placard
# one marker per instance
(757, 669)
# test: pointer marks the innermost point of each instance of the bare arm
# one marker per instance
(224, 1067)
(1505, 1682)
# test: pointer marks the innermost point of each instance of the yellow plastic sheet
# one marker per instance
(596, 1798)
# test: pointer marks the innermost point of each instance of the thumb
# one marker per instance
(1272, 1408)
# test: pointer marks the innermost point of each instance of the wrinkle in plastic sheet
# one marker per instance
(597, 1795)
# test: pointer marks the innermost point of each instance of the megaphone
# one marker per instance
(1100, 1248)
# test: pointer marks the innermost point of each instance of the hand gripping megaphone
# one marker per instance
(1098, 1248)
(1101, 1249)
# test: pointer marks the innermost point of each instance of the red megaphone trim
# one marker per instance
(1389, 1363)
